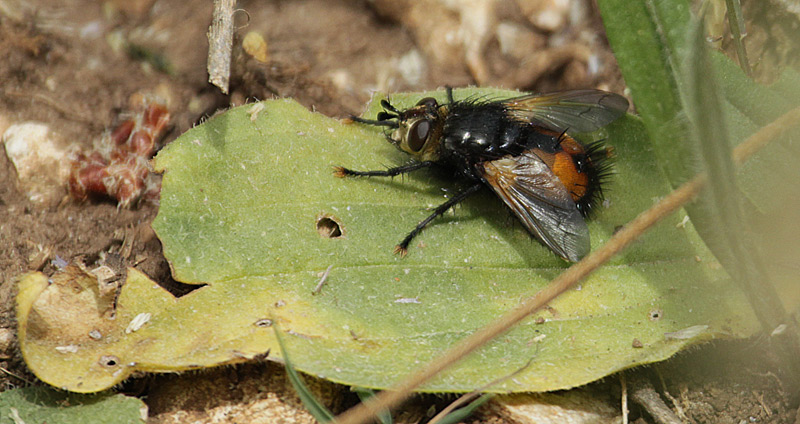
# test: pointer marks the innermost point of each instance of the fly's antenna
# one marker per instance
(382, 121)
(388, 106)
(386, 118)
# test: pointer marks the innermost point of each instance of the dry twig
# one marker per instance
(220, 44)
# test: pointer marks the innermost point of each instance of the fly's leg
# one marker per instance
(342, 172)
(402, 248)
(449, 91)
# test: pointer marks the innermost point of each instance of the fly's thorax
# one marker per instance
(480, 131)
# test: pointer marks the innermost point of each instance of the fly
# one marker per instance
(520, 148)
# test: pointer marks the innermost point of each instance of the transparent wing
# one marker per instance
(576, 110)
(540, 201)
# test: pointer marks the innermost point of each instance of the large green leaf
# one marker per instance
(241, 197)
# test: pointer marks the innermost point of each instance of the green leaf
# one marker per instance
(647, 37)
(749, 107)
(471, 268)
(696, 106)
(241, 198)
(719, 207)
(44, 405)
(650, 43)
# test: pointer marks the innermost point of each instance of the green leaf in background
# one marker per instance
(646, 36)
(385, 416)
(314, 406)
(461, 414)
(696, 106)
(44, 405)
(719, 208)
(243, 198)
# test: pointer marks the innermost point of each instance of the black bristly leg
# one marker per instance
(391, 172)
(402, 248)
(449, 94)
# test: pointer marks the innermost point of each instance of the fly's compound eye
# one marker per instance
(418, 134)
(429, 103)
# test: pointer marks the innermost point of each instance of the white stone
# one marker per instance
(41, 160)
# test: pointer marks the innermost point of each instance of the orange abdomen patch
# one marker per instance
(566, 171)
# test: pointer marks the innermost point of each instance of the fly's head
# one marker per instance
(416, 130)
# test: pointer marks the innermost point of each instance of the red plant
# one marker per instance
(119, 165)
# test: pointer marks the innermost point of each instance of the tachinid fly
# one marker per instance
(519, 147)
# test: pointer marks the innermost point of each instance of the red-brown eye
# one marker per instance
(418, 134)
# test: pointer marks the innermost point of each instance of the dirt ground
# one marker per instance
(74, 66)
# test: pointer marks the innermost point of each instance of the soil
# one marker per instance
(75, 65)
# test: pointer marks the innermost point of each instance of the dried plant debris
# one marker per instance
(118, 166)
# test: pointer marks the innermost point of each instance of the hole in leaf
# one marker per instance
(655, 314)
(264, 322)
(328, 226)
(109, 361)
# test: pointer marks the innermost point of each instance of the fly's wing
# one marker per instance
(540, 201)
(576, 110)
